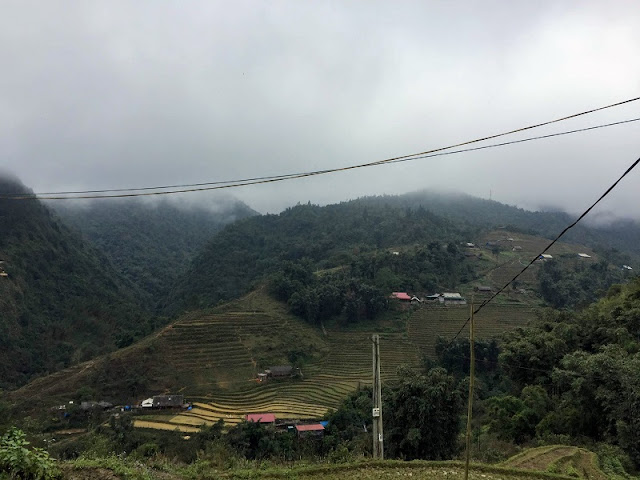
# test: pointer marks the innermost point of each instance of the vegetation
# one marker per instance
(580, 378)
(328, 237)
(150, 244)
(62, 302)
(19, 461)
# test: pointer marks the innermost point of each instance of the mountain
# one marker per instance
(61, 301)
(329, 236)
(150, 243)
(621, 234)
(242, 253)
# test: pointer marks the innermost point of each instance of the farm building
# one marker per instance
(315, 429)
(432, 298)
(415, 299)
(267, 418)
(584, 255)
(279, 371)
(469, 245)
(450, 298)
(483, 288)
(626, 267)
(545, 256)
(402, 296)
(163, 401)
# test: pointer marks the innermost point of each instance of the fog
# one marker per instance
(99, 95)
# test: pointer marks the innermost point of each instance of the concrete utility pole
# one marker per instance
(378, 444)
(472, 372)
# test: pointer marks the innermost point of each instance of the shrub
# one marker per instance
(21, 462)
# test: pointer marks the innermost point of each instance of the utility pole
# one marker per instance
(378, 445)
(472, 371)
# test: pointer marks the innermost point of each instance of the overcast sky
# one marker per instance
(117, 94)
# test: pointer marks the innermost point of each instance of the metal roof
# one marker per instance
(310, 428)
(261, 417)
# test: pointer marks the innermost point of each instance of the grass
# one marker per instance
(365, 470)
(560, 459)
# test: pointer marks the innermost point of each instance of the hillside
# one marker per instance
(619, 234)
(244, 252)
(335, 235)
(61, 302)
(150, 243)
(213, 357)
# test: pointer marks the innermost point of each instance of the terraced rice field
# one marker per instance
(560, 459)
(217, 356)
(427, 323)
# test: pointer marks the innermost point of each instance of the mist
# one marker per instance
(129, 95)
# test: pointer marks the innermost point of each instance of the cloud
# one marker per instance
(122, 94)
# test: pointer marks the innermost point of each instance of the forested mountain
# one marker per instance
(331, 236)
(61, 301)
(622, 235)
(582, 369)
(150, 243)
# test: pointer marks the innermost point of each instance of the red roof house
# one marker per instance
(401, 296)
(313, 429)
(261, 418)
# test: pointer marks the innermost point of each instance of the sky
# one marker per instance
(112, 94)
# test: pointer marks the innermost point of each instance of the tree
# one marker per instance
(421, 416)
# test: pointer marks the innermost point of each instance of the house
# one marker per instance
(626, 267)
(584, 255)
(415, 300)
(265, 418)
(450, 298)
(395, 253)
(432, 298)
(279, 371)
(470, 245)
(262, 377)
(167, 401)
(545, 256)
(402, 296)
(483, 288)
(315, 429)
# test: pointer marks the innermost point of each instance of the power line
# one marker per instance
(584, 214)
(88, 194)
(251, 181)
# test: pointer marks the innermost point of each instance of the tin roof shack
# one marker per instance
(279, 371)
(483, 289)
(402, 296)
(168, 401)
(450, 298)
(313, 430)
(264, 418)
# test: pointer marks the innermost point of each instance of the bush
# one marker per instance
(24, 463)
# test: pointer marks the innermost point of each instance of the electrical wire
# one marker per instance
(145, 191)
(534, 259)
(254, 179)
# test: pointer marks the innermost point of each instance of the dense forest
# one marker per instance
(62, 301)
(619, 234)
(583, 367)
(150, 243)
(245, 252)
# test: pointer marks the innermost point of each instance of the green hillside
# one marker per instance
(244, 252)
(213, 357)
(150, 243)
(61, 302)
(459, 208)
